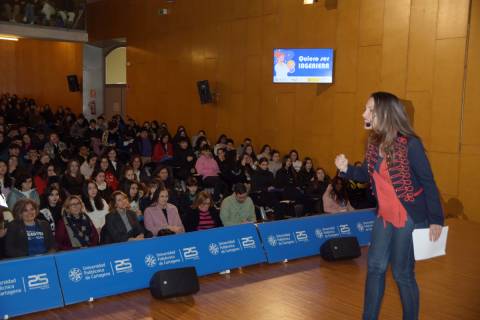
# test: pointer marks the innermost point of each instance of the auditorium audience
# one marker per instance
(49, 155)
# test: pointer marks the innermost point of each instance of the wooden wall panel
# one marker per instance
(447, 94)
(39, 69)
(452, 18)
(423, 26)
(395, 46)
(414, 48)
(371, 22)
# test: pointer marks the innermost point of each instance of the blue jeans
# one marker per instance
(395, 246)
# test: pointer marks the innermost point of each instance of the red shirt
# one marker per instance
(389, 206)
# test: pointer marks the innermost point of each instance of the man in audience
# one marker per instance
(237, 208)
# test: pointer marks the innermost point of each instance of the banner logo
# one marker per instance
(214, 249)
(319, 233)
(75, 275)
(344, 228)
(248, 243)
(38, 281)
(272, 240)
(150, 260)
(360, 227)
(301, 235)
(123, 266)
(190, 253)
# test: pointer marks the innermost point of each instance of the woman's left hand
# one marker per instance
(435, 231)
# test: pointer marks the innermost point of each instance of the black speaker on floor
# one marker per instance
(340, 249)
(73, 84)
(204, 92)
(174, 283)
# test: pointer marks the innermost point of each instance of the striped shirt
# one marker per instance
(205, 221)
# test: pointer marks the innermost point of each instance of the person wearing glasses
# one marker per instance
(27, 235)
(203, 215)
(237, 208)
(75, 229)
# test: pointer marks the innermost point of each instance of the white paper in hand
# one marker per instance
(426, 249)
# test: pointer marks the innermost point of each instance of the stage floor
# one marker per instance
(308, 289)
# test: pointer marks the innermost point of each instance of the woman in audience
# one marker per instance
(263, 190)
(134, 192)
(186, 199)
(141, 172)
(202, 215)
(221, 143)
(315, 190)
(26, 235)
(335, 198)
(249, 150)
(183, 160)
(73, 180)
(276, 163)
(5, 180)
(75, 229)
(121, 223)
(265, 152)
(286, 182)
(150, 188)
(161, 217)
(88, 166)
(5, 218)
(296, 163)
(103, 189)
(207, 168)
(96, 207)
(51, 206)
(12, 166)
(114, 165)
(306, 173)
(128, 176)
(23, 189)
(109, 173)
(163, 150)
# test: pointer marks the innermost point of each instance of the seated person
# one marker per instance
(162, 218)
(315, 190)
(237, 208)
(121, 223)
(23, 189)
(75, 229)
(26, 235)
(263, 192)
(335, 198)
(207, 167)
(203, 214)
(187, 198)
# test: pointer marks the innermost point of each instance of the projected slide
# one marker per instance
(303, 65)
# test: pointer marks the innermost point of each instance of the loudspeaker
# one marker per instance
(174, 283)
(73, 84)
(204, 92)
(340, 249)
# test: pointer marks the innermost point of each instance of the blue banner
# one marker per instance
(303, 65)
(302, 237)
(28, 285)
(113, 269)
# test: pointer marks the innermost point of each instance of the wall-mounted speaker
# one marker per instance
(73, 84)
(204, 92)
